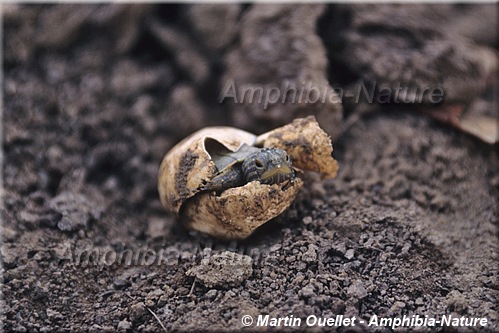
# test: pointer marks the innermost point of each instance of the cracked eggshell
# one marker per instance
(234, 213)
(237, 212)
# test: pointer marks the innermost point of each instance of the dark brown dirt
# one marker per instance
(95, 95)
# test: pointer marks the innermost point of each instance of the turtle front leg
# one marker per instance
(232, 177)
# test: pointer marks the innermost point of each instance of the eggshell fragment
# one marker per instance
(308, 145)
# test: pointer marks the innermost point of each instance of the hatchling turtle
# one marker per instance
(248, 163)
(227, 182)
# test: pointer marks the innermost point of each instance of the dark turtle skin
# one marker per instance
(266, 165)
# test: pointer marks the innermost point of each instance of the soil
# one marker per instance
(95, 95)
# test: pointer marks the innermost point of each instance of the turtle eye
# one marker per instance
(287, 158)
(259, 164)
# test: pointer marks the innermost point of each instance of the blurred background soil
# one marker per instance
(95, 95)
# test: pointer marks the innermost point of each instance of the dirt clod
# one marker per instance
(76, 210)
(223, 269)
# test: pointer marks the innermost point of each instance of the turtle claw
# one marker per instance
(222, 181)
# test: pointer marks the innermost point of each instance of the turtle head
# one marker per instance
(269, 166)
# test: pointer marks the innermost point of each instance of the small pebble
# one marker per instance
(307, 220)
(397, 307)
(124, 325)
(357, 290)
(120, 284)
(211, 294)
(307, 291)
